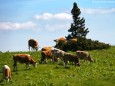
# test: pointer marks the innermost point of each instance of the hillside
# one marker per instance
(99, 73)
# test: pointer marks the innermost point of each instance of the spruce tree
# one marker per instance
(77, 28)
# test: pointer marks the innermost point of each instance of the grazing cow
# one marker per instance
(23, 58)
(58, 53)
(6, 72)
(33, 44)
(71, 58)
(46, 48)
(84, 55)
(47, 54)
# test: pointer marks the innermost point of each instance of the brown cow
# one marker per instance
(84, 55)
(33, 44)
(23, 58)
(60, 40)
(71, 58)
(6, 72)
(72, 40)
(46, 48)
(47, 54)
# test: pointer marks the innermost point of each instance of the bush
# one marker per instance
(83, 44)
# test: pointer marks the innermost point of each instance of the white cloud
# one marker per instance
(54, 22)
(16, 26)
(49, 16)
(97, 10)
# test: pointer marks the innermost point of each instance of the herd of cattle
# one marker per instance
(54, 54)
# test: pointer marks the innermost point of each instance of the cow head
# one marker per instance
(35, 64)
(36, 48)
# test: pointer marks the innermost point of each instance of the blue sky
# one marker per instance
(46, 20)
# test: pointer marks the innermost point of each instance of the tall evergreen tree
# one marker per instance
(77, 28)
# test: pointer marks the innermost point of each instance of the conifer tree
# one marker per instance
(77, 28)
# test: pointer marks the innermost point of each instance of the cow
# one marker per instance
(84, 55)
(23, 58)
(33, 44)
(47, 54)
(71, 58)
(64, 40)
(57, 53)
(60, 42)
(6, 72)
(72, 40)
(46, 48)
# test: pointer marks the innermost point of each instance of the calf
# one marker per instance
(6, 72)
(71, 58)
(23, 58)
(84, 55)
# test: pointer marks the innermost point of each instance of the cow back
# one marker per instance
(22, 58)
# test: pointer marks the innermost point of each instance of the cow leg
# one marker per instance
(27, 65)
(65, 61)
(15, 66)
(29, 48)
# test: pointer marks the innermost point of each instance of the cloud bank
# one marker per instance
(16, 26)
(57, 21)
(49, 16)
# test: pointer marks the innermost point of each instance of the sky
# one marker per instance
(47, 20)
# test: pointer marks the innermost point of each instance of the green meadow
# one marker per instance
(99, 73)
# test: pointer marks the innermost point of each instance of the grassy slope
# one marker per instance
(99, 73)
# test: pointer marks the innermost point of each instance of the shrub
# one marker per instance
(83, 44)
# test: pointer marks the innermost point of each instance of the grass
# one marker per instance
(99, 73)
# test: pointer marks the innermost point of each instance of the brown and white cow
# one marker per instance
(23, 58)
(84, 55)
(65, 57)
(33, 44)
(6, 72)
(47, 54)
(59, 54)
(71, 58)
